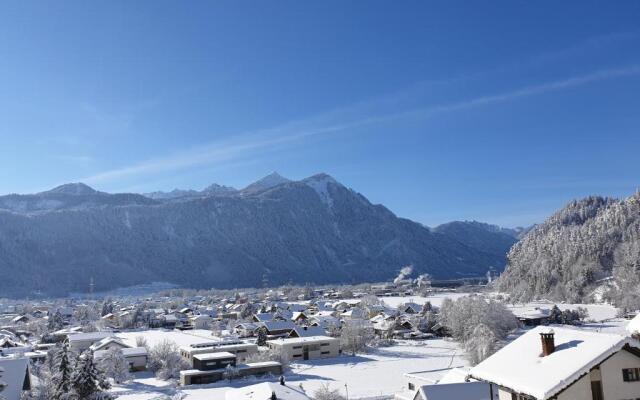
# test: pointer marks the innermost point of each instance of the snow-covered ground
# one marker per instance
(379, 373)
(597, 312)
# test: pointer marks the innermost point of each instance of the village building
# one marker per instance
(80, 342)
(213, 367)
(240, 349)
(306, 348)
(136, 357)
(564, 364)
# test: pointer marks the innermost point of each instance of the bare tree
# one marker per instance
(324, 392)
(166, 361)
(115, 366)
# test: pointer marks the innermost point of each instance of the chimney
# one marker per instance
(548, 342)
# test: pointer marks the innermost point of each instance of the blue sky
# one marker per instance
(500, 111)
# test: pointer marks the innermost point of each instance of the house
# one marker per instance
(246, 329)
(326, 322)
(277, 328)
(108, 343)
(266, 391)
(200, 321)
(306, 348)
(82, 341)
(411, 308)
(306, 331)
(533, 317)
(14, 372)
(213, 367)
(239, 348)
(210, 361)
(564, 363)
(136, 357)
(299, 317)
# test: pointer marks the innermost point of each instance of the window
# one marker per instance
(297, 355)
(631, 374)
(412, 386)
(324, 344)
(326, 352)
(241, 351)
(297, 347)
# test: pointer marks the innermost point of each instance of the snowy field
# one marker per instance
(379, 373)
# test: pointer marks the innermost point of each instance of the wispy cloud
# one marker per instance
(325, 124)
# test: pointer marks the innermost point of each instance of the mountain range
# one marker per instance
(275, 230)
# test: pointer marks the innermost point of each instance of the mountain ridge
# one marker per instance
(314, 230)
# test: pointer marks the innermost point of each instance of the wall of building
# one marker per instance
(581, 389)
(295, 350)
(612, 384)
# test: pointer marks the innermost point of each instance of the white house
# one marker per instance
(82, 341)
(306, 348)
(564, 363)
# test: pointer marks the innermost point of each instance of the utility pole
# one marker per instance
(91, 287)
(346, 389)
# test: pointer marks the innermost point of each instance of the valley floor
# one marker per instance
(375, 375)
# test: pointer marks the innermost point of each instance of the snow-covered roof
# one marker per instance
(307, 339)
(263, 391)
(93, 336)
(128, 352)
(305, 331)
(521, 367)
(106, 341)
(455, 375)
(13, 372)
(634, 325)
(456, 391)
(532, 313)
(214, 356)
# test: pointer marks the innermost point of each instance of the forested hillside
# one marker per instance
(576, 249)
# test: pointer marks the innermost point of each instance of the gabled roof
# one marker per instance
(107, 341)
(456, 391)
(263, 391)
(306, 331)
(519, 366)
(634, 325)
(14, 372)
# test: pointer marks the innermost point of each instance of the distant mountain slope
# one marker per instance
(565, 257)
(210, 190)
(481, 236)
(315, 230)
(67, 197)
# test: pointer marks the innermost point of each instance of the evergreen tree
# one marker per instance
(262, 336)
(56, 321)
(87, 381)
(61, 374)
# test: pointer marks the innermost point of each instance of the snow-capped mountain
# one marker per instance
(311, 231)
